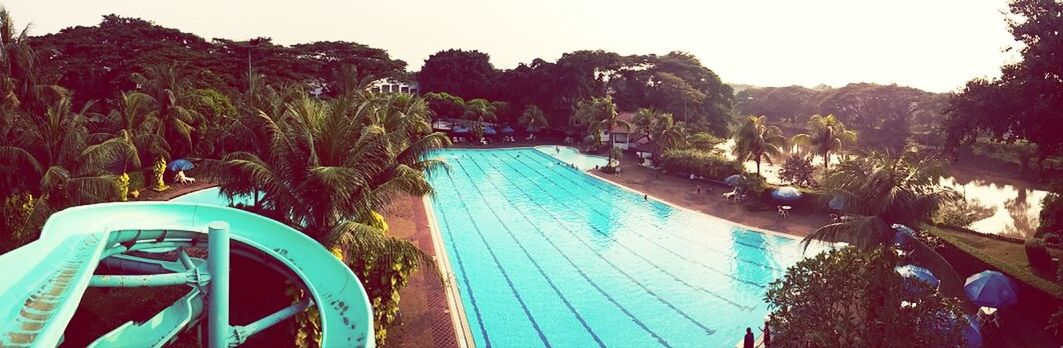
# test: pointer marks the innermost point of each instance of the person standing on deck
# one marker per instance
(749, 338)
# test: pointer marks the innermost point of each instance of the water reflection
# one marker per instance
(1016, 205)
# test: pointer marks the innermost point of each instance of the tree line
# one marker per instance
(676, 83)
(885, 115)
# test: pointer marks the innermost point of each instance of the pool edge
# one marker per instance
(462, 331)
(741, 225)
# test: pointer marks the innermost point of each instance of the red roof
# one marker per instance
(626, 116)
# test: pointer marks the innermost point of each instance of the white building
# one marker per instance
(394, 86)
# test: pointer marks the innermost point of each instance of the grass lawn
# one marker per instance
(1023, 324)
(1009, 257)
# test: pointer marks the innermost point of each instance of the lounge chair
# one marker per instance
(182, 179)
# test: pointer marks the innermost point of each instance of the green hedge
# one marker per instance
(701, 163)
(1018, 272)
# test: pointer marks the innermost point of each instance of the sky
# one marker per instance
(935, 45)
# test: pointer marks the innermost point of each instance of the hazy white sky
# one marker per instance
(936, 45)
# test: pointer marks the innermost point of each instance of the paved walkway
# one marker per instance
(424, 318)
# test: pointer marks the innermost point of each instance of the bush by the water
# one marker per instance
(700, 163)
(1037, 253)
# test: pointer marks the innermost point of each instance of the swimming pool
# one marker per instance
(545, 255)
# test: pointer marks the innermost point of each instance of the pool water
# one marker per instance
(546, 255)
(570, 155)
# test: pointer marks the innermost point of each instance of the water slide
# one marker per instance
(42, 283)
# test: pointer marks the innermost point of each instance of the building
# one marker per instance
(623, 139)
(390, 85)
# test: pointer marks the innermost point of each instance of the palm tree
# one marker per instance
(660, 127)
(827, 135)
(21, 82)
(669, 133)
(50, 156)
(166, 91)
(599, 115)
(480, 110)
(757, 141)
(330, 166)
(533, 118)
(881, 190)
(134, 117)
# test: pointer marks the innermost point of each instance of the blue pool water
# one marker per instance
(570, 155)
(546, 255)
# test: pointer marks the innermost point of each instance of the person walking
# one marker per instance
(749, 341)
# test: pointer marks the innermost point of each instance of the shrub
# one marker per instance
(700, 163)
(961, 213)
(13, 218)
(823, 301)
(1037, 253)
(798, 170)
(1052, 213)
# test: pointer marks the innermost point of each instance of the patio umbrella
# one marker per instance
(507, 130)
(733, 180)
(786, 193)
(533, 129)
(990, 289)
(918, 273)
(902, 234)
(971, 333)
(490, 131)
(837, 203)
(179, 165)
(460, 130)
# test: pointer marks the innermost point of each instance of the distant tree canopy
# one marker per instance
(96, 61)
(676, 83)
(884, 115)
(465, 74)
(1025, 102)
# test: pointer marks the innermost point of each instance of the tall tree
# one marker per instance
(480, 111)
(444, 105)
(756, 141)
(533, 118)
(23, 84)
(1024, 103)
(660, 127)
(465, 74)
(826, 135)
(167, 90)
(599, 115)
(135, 117)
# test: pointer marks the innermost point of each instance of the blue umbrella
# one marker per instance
(837, 203)
(460, 129)
(786, 193)
(733, 180)
(507, 130)
(918, 273)
(490, 131)
(902, 234)
(971, 333)
(533, 129)
(990, 289)
(179, 165)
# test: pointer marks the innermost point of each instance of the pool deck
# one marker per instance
(682, 192)
(425, 316)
